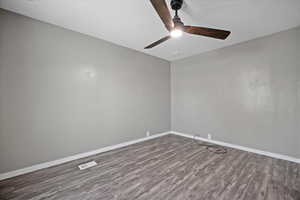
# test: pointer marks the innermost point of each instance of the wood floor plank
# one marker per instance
(165, 168)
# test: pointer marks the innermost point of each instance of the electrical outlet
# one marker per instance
(148, 133)
(209, 136)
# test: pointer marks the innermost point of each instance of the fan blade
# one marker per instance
(208, 32)
(162, 10)
(158, 42)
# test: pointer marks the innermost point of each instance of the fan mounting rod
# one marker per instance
(176, 5)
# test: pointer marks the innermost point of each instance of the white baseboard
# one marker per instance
(74, 157)
(260, 152)
(109, 148)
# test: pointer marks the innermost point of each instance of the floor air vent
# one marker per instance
(87, 165)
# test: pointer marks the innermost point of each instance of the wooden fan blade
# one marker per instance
(208, 32)
(158, 42)
(162, 10)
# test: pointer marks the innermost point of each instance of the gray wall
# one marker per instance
(246, 94)
(50, 107)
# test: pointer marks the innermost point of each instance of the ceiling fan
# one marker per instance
(176, 27)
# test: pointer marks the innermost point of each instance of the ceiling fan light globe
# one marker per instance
(176, 33)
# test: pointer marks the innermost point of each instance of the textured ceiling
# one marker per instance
(134, 23)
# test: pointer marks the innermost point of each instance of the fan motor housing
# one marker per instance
(176, 4)
(178, 23)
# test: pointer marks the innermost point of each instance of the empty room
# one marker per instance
(150, 100)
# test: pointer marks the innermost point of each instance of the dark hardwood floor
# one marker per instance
(166, 168)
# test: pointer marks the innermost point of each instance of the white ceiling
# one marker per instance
(135, 24)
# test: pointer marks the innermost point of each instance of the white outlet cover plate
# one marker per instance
(209, 136)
